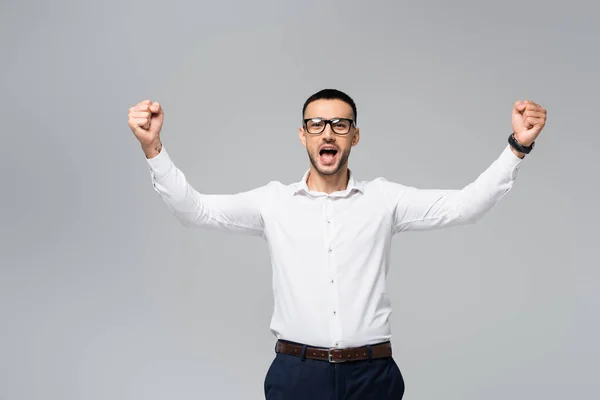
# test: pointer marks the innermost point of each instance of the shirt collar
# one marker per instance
(353, 185)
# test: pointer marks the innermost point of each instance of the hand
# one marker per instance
(146, 120)
(528, 120)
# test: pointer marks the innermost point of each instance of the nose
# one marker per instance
(328, 133)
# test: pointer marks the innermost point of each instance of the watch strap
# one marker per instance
(518, 146)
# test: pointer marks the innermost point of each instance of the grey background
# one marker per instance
(103, 295)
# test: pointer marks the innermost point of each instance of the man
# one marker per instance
(329, 239)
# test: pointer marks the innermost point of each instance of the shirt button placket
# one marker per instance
(335, 329)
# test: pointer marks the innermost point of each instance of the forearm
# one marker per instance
(172, 186)
(518, 153)
(228, 212)
(477, 198)
(418, 209)
(153, 149)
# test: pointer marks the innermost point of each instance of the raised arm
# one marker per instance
(421, 209)
(238, 212)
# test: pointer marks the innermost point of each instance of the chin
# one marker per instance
(328, 169)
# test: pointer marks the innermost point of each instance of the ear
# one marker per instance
(356, 137)
(302, 136)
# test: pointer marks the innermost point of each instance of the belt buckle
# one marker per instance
(331, 360)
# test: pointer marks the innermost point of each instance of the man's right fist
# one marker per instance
(146, 120)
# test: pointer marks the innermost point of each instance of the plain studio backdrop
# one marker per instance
(104, 295)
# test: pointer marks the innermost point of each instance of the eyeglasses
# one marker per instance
(316, 126)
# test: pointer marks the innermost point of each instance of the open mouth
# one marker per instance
(327, 155)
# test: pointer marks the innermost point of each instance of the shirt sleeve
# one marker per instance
(424, 209)
(240, 212)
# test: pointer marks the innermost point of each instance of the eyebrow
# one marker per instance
(329, 118)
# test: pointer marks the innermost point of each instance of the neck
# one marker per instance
(318, 182)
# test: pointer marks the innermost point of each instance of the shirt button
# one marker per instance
(332, 281)
(330, 250)
(328, 221)
(334, 313)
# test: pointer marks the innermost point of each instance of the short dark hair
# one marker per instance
(331, 94)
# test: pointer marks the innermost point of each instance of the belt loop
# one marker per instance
(370, 352)
(303, 354)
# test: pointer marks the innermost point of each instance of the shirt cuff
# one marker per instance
(510, 157)
(161, 164)
(510, 161)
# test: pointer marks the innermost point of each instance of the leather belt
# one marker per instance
(380, 350)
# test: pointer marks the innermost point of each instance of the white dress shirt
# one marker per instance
(330, 254)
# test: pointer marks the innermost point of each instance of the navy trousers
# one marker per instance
(292, 377)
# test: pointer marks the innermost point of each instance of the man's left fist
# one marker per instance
(528, 120)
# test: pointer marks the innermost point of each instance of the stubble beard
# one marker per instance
(343, 160)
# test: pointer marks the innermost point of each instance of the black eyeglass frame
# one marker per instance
(330, 123)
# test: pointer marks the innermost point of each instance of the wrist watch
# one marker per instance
(518, 146)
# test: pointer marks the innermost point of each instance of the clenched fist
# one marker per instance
(146, 120)
(528, 120)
